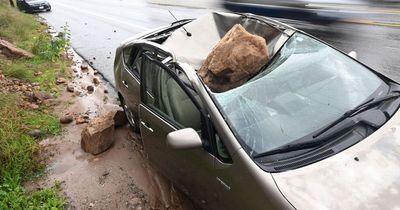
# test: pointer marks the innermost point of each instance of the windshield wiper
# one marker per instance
(360, 108)
(316, 142)
(293, 147)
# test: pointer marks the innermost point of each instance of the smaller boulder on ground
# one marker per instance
(98, 135)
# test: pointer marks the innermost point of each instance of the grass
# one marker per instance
(20, 158)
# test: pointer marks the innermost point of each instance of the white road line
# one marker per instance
(101, 16)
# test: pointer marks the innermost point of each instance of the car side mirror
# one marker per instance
(186, 138)
(353, 54)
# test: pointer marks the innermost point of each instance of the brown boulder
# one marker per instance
(98, 135)
(11, 51)
(238, 56)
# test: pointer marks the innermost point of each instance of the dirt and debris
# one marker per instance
(119, 178)
(236, 57)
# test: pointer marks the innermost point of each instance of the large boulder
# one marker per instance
(98, 135)
(237, 56)
(11, 51)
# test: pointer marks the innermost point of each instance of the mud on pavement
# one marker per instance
(119, 178)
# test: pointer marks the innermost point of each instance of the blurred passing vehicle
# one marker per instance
(31, 6)
(314, 129)
(318, 11)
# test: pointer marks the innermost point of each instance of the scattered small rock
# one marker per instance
(37, 73)
(36, 133)
(66, 119)
(61, 80)
(96, 81)
(70, 87)
(80, 120)
(40, 97)
(90, 88)
(84, 67)
(33, 106)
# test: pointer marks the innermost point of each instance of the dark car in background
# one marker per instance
(32, 6)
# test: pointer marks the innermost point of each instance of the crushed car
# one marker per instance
(303, 126)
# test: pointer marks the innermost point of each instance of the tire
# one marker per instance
(132, 120)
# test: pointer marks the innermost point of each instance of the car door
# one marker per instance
(130, 77)
(167, 104)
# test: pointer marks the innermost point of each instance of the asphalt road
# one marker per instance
(99, 26)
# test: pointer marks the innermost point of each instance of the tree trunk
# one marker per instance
(12, 3)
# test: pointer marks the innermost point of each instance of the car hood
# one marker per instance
(364, 176)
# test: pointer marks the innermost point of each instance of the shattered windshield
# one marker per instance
(305, 87)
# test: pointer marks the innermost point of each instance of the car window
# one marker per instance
(132, 59)
(222, 151)
(164, 95)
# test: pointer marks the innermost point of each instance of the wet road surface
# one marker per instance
(99, 26)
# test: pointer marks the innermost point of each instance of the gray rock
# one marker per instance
(36, 133)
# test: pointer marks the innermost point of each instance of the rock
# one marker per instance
(90, 88)
(36, 133)
(119, 118)
(11, 51)
(40, 97)
(81, 120)
(84, 67)
(33, 106)
(37, 73)
(98, 135)
(61, 80)
(238, 56)
(105, 91)
(66, 119)
(70, 87)
(96, 81)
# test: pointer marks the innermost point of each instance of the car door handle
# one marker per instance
(125, 83)
(146, 126)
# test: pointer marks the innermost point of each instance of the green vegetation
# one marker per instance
(20, 158)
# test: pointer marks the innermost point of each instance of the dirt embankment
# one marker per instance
(119, 178)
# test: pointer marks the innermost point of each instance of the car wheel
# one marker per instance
(130, 116)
